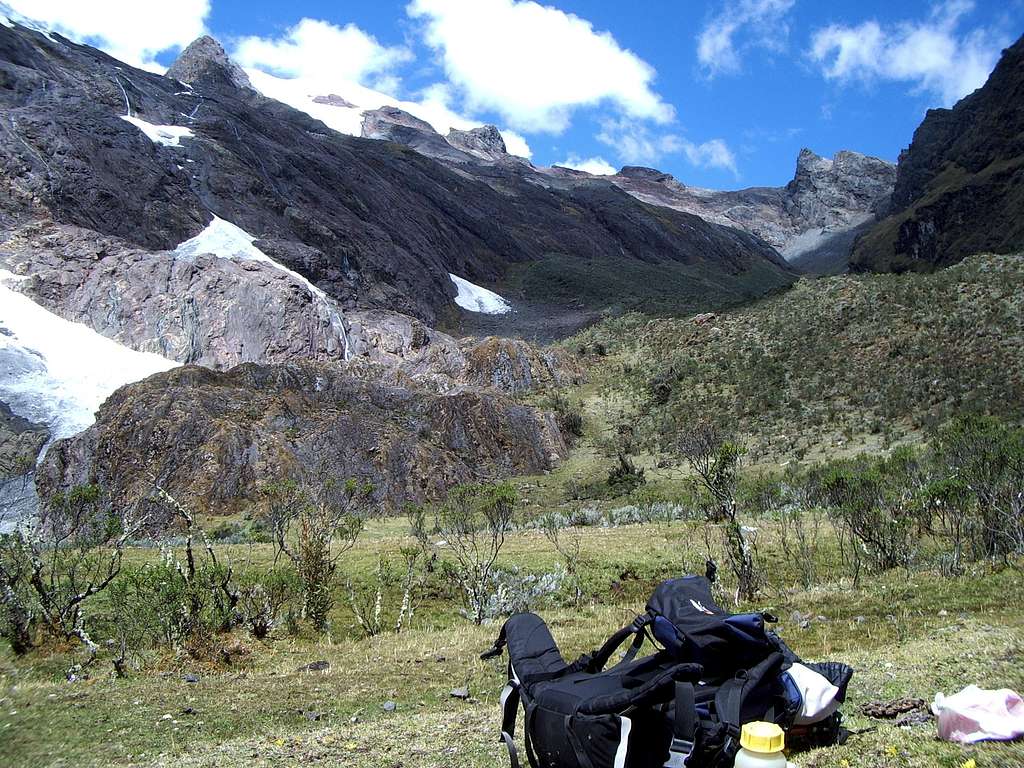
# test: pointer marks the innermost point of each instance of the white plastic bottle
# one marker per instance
(762, 745)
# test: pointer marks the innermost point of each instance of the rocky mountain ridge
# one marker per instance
(812, 221)
(960, 184)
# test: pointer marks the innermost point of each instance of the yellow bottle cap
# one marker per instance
(763, 738)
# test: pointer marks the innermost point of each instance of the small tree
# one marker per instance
(313, 524)
(567, 542)
(49, 572)
(473, 523)
(715, 456)
(874, 500)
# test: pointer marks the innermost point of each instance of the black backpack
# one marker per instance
(682, 705)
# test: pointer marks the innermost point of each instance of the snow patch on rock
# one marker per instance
(321, 100)
(476, 299)
(229, 241)
(167, 135)
(57, 372)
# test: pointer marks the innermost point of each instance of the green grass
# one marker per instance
(907, 633)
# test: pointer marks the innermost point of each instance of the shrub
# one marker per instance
(314, 523)
(473, 523)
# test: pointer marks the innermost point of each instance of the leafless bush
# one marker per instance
(567, 543)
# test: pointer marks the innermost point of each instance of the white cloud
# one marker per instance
(597, 166)
(638, 144)
(129, 30)
(315, 58)
(742, 24)
(714, 153)
(315, 48)
(932, 54)
(535, 65)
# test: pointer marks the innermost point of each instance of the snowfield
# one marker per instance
(57, 372)
(229, 241)
(299, 93)
(167, 135)
(476, 299)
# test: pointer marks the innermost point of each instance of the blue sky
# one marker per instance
(721, 94)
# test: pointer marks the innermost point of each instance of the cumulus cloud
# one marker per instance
(597, 166)
(316, 48)
(533, 64)
(933, 54)
(742, 24)
(129, 30)
(638, 144)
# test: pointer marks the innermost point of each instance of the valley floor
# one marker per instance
(907, 634)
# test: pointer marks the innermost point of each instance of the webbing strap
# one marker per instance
(509, 712)
(685, 726)
(582, 758)
(634, 648)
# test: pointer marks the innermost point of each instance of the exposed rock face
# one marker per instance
(197, 309)
(485, 142)
(20, 442)
(334, 100)
(811, 221)
(205, 57)
(960, 185)
(214, 438)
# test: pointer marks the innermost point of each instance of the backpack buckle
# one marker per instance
(679, 753)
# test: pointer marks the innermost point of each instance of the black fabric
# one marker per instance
(704, 633)
(717, 671)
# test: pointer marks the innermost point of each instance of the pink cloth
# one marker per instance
(976, 714)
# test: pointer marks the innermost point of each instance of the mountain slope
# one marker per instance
(372, 223)
(960, 185)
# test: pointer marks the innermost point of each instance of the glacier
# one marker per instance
(476, 299)
(57, 372)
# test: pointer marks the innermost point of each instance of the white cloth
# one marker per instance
(977, 714)
(817, 693)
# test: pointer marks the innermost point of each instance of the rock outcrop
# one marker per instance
(196, 309)
(20, 443)
(484, 142)
(960, 185)
(205, 57)
(812, 221)
(213, 438)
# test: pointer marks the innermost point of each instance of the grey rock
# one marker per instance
(460, 693)
(389, 706)
(205, 57)
(190, 678)
(484, 142)
(334, 100)
(321, 665)
(811, 221)
(313, 716)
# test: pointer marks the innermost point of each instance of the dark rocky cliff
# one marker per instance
(960, 185)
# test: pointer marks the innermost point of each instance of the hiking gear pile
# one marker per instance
(683, 705)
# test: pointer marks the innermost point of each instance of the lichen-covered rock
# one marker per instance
(213, 438)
